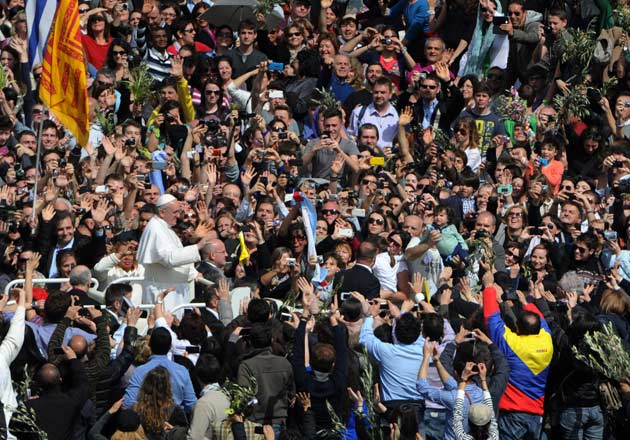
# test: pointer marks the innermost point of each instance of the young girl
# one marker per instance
(451, 238)
(548, 162)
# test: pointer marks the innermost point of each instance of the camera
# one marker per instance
(622, 188)
(212, 125)
(169, 118)
(130, 142)
(536, 231)
(481, 234)
(245, 115)
(296, 162)
(509, 295)
(386, 41)
(610, 235)
(617, 164)
(283, 135)
(264, 180)
(62, 163)
(291, 261)
(325, 134)
(19, 173)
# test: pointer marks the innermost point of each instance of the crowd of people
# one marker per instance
(330, 219)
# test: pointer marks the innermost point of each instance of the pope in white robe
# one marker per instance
(167, 263)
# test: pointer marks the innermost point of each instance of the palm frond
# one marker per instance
(326, 100)
(141, 83)
(604, 352)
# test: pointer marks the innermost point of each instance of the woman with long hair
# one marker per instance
(97, 40)
(155, 405)
(466, 138)
(487, 48)
(118, 57)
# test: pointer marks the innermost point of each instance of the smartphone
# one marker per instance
(144, 314)
(245, 331)
(610, 235)
(101, 189)
(346, 232)
(276, 94)
(344, 295)
(536, 231)
(190, 154)
(358, 212)
(193, 349)
(216, 152)
(275, 67)
(505, 190)
(377, 161)
(158, 165)
(320, 259)
(498, 20)
(286, 317)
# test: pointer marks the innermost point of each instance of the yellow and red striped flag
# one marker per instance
(63, 86)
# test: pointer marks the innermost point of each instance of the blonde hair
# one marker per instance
(138, 434)
(614, 301)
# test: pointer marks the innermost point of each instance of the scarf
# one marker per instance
(480, 45)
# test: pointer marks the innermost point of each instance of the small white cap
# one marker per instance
(165, 199)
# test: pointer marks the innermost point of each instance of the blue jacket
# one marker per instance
(416, 17)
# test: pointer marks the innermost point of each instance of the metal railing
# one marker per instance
(125, 280)
(20, 281)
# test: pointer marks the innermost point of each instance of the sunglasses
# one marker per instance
(294, 34)
(97, 18)
(462, 131)
(119, 52)
(367, 181)
(581, 250)
(377, 221)
(213, 92)
(513, 255)
(394, 243)
(330, 212)
(298, 237)
(189, 31)
(426, 86)
(514, 13)
(515, 214)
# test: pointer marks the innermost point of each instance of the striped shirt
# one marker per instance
(159, 64)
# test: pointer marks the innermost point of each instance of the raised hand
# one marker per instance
(406, 116)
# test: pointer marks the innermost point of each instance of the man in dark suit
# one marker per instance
(58, 232)
(80, 280)
(213, 259)
(58, 412)
(360, 277)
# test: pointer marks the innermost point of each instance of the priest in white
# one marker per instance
(167, 263)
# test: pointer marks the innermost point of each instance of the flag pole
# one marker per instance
(37, 165)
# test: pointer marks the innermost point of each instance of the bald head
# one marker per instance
(413, 225)
(48, 377)
(78, 344)
(215, 252)
(486, 221)
(81, 277)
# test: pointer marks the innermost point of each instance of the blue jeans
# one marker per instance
(582, 423)
(433, 424)
(519, 426)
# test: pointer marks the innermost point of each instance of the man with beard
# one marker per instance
(364, 96)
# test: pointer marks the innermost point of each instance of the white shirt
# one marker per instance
(9, 350)
(53, 273)
(386, 274)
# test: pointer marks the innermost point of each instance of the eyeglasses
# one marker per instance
(189, 31)
(581, 250)
(427, 86)
(515, 214)
(119, 52)
(213, 92)
(97, 18)
(294, 34)
(376, 221)
(330, 212)
(368, 181)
